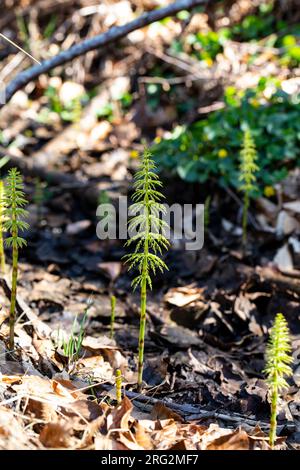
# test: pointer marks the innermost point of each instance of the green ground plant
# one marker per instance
(278, 360)
(2, 206)
(3, 162)
(14, 213)
(70, 112)
(72, 347)
(149, 239)
(209, 148)
(247, 177)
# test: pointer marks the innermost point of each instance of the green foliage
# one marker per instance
(112, 315)
(72, 346)
(70, 112)
(14, 213)
(149, 240)
(278, 360)
(122, 101)
(247, 177)
(258, 25)
(196, 153)
(3, 162)
(206, 46)
(2, 207)
(291, 50)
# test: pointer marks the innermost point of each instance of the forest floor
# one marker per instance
(208, 317)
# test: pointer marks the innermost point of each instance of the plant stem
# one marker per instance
(273, 420)
(118, 385)
(143, 291)
(245, 217)
(13, 290)
(142, 332)
(2, 254)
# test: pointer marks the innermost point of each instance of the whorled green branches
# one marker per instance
(2, 206)
(247, 178)
(146, 231)
(278, 360)
(3, 162)
(14, 213)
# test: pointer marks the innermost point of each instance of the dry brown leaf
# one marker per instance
(10, 379)
(162, 412)
(121, 415)
(238, 440)
(85, 410)
(12, 433)
(56, 435)
(97, 367)
(40, 410)
(111, 269)
(142, 437)
(128, 440)
(166, 435)
(182, 296)
(103, 347)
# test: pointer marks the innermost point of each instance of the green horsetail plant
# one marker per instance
(14, 214)
(278, 360)
(3, 162)
(247, 178)
(118, 385)
(2, 205)
(112, 315)
(149, 239)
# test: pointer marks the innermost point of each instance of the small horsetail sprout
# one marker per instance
(247, 177)
(14, 223)
(112, 315)
(118, 385)
(2, 204)
(278, 358)
(149, 239)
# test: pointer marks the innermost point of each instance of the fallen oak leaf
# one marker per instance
(182, 296)
(12, 434)
(238, 440)
(161, 412)
(121, 415)
(56, 435)
(142, 437)
(85, 410)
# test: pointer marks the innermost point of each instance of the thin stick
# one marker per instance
(20, 48)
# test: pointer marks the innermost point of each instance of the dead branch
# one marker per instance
(87, 191)
(110, 36)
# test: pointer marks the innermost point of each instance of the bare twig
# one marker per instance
(20, 48)
(110, 36)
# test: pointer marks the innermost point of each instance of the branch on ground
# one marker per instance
(110, 36)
